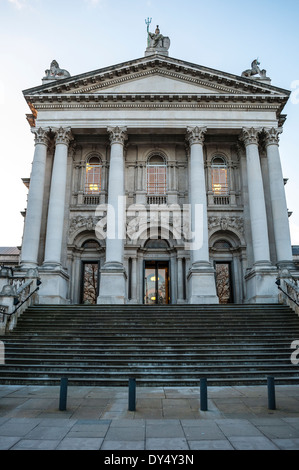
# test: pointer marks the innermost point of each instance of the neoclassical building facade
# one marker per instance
(156, 181)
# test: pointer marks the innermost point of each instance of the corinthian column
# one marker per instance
(260, 280)
(201, 278)
(113, 277)
(57, 199)
(257, 207)
(31, 236)
(278, 199)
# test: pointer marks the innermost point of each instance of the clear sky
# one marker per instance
(85, 35)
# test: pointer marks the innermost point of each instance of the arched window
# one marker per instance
(156, 175)
(219, 176)
(93, 175)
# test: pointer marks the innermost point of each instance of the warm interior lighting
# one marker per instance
(153, 278)
(153, 298)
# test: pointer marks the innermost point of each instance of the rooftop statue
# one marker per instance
(156, 42)
(55, 72)
(255, 70)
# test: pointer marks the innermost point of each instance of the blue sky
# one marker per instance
(85, 35)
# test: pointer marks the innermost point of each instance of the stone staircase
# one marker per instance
(159, 346)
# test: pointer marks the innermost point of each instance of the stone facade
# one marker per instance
(210, 142)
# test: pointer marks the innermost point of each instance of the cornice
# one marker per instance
(131, 101)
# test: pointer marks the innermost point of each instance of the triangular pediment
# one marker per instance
(156, 74)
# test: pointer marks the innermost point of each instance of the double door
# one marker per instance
(156, 283)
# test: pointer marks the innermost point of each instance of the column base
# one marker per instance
(201, 283)
(54, 287)
(113, 284)
(260, 284)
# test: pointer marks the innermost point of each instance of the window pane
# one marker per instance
(93, 176)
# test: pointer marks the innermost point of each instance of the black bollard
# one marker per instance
(63, 393)
(132, 394)
(271, 393)
(203, 395)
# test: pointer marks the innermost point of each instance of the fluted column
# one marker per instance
(57, 199)
(201, 278)
(113, 276)
(32, 228)
(278, 198)
(257, 207)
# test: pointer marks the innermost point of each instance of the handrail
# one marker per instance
(19, 304)
(286, 293)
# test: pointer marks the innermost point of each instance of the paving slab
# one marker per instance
(166, 418)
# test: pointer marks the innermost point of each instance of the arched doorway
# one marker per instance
(226, 253)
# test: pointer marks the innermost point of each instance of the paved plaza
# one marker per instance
(166, 418)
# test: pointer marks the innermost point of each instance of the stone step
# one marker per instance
(172, 345)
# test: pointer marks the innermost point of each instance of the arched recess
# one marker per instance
(227, 252)
(85, 257)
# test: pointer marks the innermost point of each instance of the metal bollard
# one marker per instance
(63, 393)
(271, 393)
(132, 394)
(203, 395)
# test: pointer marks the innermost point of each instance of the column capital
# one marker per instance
(250, 135)
(63, 135)
(117, 135)
(272, 135)
(196, 135)
(41, 135)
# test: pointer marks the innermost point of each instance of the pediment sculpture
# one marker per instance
(55, 72)
(255, 70)
(157, 43)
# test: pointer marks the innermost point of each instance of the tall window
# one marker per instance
(93, 175)
(156, 175)
(219, 177)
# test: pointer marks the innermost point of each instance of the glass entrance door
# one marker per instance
(156, 283)
(90, 283)
(223, 282)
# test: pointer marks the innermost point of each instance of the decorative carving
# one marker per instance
(272, 135)
(255, 70)
(55, 72)
(41, 135)
(195, 135)
(250, 136)
(79, 222)
(63, 135)
(224, 223)
(117, 135)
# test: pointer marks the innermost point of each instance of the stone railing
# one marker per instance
(289, 290)
(17, 292)
(159, 199)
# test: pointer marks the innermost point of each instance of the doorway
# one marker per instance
(90, 282)
(156, 283)
(224, 282)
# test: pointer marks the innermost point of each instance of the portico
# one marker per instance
(156, 150)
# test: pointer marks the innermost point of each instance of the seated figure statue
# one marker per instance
(157, 43)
